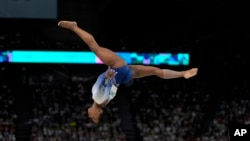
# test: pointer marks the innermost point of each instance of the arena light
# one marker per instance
(85, 57)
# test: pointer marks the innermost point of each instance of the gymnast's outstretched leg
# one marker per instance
(140, 71)
(107, 56)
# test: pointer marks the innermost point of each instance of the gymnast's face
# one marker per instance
(95, 111)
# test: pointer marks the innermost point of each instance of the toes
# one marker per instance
(59, 23)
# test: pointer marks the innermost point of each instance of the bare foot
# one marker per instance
(67, 24)
(190, 73)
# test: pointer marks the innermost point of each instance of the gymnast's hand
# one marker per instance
(110, 73)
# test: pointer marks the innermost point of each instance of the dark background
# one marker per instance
(215, 33)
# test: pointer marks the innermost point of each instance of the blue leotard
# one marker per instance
(102, 91)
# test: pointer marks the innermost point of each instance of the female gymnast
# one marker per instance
(118, 72)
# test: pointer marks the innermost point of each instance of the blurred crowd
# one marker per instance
(172, 110)
(59, 112)
(7, 113)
